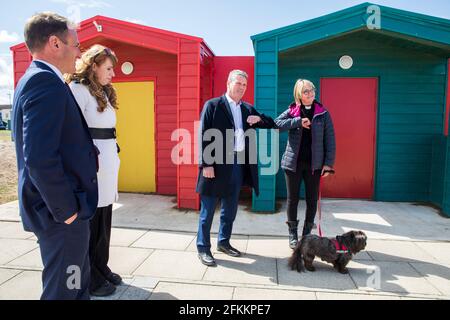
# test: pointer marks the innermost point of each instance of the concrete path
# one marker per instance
(153, 248)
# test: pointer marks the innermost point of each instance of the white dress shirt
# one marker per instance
(239, 138)
(55, 69)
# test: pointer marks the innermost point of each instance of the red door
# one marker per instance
(352, 103)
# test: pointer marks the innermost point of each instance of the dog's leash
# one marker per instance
(320, 209)
(319, 206)
(340, 248)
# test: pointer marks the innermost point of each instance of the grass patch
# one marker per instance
(8, 169)
(5, 135)
(8, 193)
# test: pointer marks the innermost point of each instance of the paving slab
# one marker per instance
(136, 293)
(363, 256)
(11, 249)
(164, 240)
(438, 250)
(396, 277)
(271, 294)
(437, 275)
(409, 243)
(7, 274)
(325, 277)
(153, 212)
(180, 291)
(31, 260)
(125, 261)
(33, 237)
(145, 282)
(381, 220)
(372, 234)
(247, 269)
(269, 247)
(411, 298)
(397, 251)
(120, 290)
(125, 237)
(10, 211)
(238, 241)
(25, 286)
(172, 264)
(13, 230)
(352, 296)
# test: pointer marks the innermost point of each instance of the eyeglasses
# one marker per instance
(308, 92)
(77, 45)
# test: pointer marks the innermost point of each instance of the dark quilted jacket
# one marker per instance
(323, 139)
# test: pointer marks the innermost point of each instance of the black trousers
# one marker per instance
(312, 185)
(64, 252)
(99, 246)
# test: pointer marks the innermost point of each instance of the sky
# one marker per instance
(225, 25)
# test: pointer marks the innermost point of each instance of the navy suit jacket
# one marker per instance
(56, 158)
(217, 114)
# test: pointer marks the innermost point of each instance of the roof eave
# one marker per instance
(433, 23)
(98, 18)
(335, 16)
(141, 27)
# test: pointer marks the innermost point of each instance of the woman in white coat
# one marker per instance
(96, 97)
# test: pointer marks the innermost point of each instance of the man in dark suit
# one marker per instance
(56, 159)
(231, 165)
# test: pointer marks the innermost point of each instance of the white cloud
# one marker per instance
(84, 3)
(6, 37)
(74, 8)
(4, 97)
(137, 21)
(6, 79)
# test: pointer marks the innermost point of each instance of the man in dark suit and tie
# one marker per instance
(230, 166)
(56, 159)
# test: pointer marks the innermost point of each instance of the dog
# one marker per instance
(337, 251)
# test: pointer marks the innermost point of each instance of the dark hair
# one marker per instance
(41, 27)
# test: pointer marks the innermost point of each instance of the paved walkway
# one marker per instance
(153, 248)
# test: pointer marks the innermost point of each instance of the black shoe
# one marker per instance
(293, 243)
(114, 278)
(207, 259)
(106, 289)
(229, 250)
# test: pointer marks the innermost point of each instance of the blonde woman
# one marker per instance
(310, 153)
(96, 97)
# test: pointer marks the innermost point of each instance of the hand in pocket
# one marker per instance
(208, 172)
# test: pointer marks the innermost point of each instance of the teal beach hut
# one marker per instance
(383, 74)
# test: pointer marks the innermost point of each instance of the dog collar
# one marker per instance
(340, 248)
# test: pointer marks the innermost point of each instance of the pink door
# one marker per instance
(352, 103)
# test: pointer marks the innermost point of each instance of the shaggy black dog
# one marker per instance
(337, 251)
